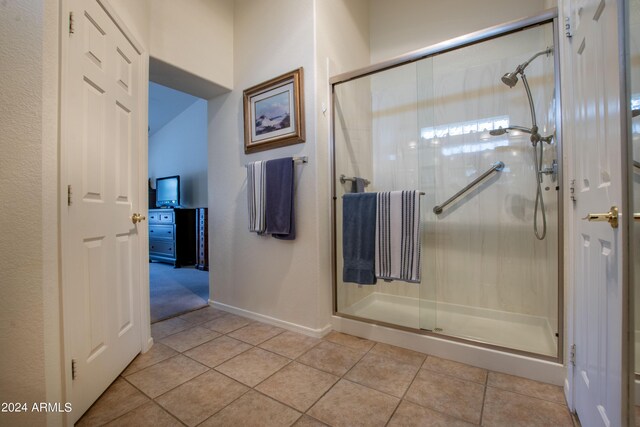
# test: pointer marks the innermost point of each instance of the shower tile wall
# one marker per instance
(486, 253)
(481, 253)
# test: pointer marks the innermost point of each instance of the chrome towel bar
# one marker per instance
(496, 167)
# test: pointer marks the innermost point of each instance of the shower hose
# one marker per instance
(539, 200)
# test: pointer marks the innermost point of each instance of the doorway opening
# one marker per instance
(178, 200)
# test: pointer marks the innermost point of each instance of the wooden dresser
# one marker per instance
(172, 236)
(202, 239)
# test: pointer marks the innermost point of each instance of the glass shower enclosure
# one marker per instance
(475, 127)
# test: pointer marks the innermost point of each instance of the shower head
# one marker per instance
(510, 79)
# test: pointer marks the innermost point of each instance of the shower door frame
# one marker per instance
(545, 17)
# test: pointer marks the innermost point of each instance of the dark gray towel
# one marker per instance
(357, 185)
(358, 238)
(279, 209)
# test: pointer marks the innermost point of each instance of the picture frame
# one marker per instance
(274, 113)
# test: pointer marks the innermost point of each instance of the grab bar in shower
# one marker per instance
(496, 167)
(344, 178)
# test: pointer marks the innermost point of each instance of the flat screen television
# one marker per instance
(168, 191)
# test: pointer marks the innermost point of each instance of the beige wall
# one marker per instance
(30, 368)
(401, 26)
(260, 274)
(135, 15)
(195, 36)
(342, 36)
(190, 43)
(289, 281)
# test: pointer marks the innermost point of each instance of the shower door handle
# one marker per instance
(611, 217)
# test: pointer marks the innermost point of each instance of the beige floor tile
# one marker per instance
(383, 373)
(217, 351)
(460, 370)
(166, 375)
(227, 323)
(350, 404)
(120, 398)
(198, 399)
(307, 421)
(411, 415)
(355, 343)
(202, 315)
(146, 415)
(253, 366)
(400, 354)
(167, 327)
(330, 357)
(290, 344)
(550, 392)
(254, 409)
(297, 385)
(157, 353)
(189, 338)
(503, 408)
(256, 333)
(458, 398)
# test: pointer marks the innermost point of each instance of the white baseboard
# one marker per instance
(494, 360)
(149, 345)
(316, 333)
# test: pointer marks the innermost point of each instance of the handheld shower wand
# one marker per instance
(511, 79)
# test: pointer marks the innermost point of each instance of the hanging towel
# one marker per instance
(358, 238)
(357, 186)
(279, 206)
(397, 244)
(256, 196)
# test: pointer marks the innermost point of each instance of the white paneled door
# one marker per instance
(100, 160)
(596, 120)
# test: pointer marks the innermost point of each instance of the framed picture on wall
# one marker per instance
(274, 113)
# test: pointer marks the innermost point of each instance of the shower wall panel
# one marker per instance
(486, 252)
(425, 126)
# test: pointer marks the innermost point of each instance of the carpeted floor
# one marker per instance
(174, 291)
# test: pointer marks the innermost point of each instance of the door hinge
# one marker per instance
(572, 190)
(568, 29)
(71, 23)
(74, 372)
(69, 195)
(572, 355)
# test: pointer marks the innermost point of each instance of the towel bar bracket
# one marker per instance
(344, 179)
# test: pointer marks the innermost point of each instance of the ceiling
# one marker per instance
(165, 104)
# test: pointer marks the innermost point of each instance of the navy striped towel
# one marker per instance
(398, 236)
(256, 196)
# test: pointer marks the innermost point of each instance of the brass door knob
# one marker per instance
(136, 218)
(636, 216)
(611, 217)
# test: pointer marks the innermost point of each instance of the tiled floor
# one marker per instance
(213, 368)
